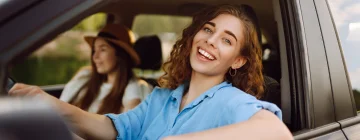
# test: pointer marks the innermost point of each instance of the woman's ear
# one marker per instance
(239, 62)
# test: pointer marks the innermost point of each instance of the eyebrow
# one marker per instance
(211, 23)
(230, 33)
(226, 31)
(103, 46)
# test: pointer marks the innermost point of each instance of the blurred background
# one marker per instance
(58, 60)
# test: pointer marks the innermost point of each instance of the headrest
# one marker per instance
(149, 51)
(252, 15)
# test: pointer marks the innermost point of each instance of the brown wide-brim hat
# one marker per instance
(119, 35)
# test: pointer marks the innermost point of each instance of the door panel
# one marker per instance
(328, 132)
(353, 132)
(351, 128)
(337, 135)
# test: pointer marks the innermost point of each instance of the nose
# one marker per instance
(211, 40)
(95, 55)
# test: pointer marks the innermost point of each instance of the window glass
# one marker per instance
(167, 27)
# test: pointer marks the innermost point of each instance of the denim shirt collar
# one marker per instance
(178, 92)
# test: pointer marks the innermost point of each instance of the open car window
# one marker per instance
(57, 61)
(167, 27)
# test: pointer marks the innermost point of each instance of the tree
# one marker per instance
(92, 23)
(357, 98)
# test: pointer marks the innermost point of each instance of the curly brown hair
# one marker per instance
(248, 78)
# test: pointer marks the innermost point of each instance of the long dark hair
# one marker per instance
(112, 103)
(249, 77)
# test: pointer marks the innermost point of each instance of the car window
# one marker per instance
(167, 27)
(57, 61)
(346, 15)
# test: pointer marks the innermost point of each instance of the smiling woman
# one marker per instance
(109, 85)
(245, 62)
(197, 88)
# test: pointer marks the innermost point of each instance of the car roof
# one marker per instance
(127, 10)
(41, 29)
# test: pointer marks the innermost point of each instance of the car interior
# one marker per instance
(151, 47)
(23, 119)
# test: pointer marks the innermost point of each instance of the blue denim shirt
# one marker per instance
(158, 116)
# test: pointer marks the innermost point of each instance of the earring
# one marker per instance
(232, 74)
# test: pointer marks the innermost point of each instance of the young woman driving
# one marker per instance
(209, 90)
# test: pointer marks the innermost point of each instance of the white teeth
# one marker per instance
(206, 54)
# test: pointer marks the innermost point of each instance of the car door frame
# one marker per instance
(344, 102)
(313, 102)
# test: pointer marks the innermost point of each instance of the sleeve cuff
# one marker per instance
(272, 108)
(116, 123)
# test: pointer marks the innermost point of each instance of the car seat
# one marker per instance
(272, 91)
(150, 53)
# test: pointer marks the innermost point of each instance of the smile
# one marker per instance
(98, 63)
(206, 54)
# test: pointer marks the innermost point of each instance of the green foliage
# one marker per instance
(153, 24)
(92, 23)
(67, 47)
(47, 71)
(356, 94)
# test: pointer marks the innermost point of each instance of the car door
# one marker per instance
(313, 110)
(343, 43)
